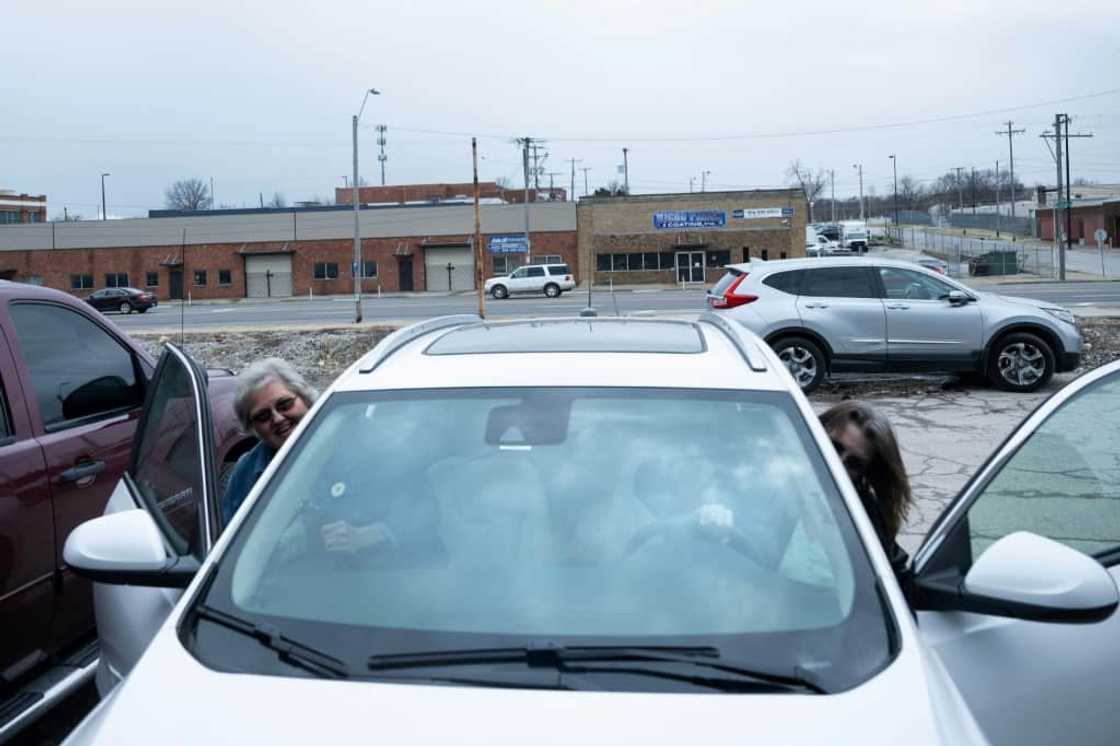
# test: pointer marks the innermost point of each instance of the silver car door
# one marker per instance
(925, 329)
(170, 475)
(841, 304)
(1058, 476)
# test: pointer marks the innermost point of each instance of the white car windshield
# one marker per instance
(498, 517)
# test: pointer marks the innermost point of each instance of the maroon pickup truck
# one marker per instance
(72, 389)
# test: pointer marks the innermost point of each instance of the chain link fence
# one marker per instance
(977, 257)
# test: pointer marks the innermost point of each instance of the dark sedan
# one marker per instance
(125, 300)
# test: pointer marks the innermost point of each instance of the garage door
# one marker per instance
(269, 275)
(461, 260)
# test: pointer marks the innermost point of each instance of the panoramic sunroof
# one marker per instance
(598, 335)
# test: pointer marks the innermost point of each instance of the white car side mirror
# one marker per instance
(126, 548)
(1027, 576)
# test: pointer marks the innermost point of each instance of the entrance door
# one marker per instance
(176, 281)
(690, 266)
(404, 267)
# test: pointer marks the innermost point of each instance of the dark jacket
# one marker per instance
(900, 560)
(246, 472)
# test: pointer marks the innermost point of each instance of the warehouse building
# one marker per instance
(686, 238)
(286, 251)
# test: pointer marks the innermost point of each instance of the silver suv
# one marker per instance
(550, 279)
(853, 315)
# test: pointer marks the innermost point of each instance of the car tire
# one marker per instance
(1021, 362)
(499, 292)
(125, 307)
(804, 359)
(552, 290)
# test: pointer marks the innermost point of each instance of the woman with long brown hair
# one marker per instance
(865, 441)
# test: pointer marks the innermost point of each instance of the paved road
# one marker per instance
(403, 308)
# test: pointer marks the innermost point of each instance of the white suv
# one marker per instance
(632, 531)
(550, 279)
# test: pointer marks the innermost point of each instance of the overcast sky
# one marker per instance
(259, 95)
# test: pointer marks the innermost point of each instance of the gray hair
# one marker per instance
(261, 373)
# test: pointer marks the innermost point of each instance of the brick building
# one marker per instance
(404, 194)
(22, 208)
(276, 253)
(686, 238)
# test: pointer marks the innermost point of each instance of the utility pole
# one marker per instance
(585, 169)
(626, 170)
(860, 167)
(691, 180)
(572, 194)
(552, 184)
(381, 130)
(1011, 155)
(1058, 160)
(104, 215)
(997, 199)
(894, 167)
(960, 192)
(538, 168)
(704, 180)
(832, 182)
(478, 255)
(973, 187)
(1069, 181)
(526, 143)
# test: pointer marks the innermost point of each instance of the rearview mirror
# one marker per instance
(126, 548)
(1029, 577)
(957, 297)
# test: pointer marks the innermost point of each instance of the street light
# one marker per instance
(860, 167)
(894, 167)
(103, 194)
(704, 180)
(357, 267)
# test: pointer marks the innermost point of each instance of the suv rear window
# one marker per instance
(724, 282)
(787, 282)
(559, 269)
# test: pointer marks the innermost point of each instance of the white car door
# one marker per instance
(1058, 476)
(518, 280)
(171, 476)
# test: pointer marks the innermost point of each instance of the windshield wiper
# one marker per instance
(569, 659)
(290, 651)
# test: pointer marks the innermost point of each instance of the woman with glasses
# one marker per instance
(866, 444)
(269, 400)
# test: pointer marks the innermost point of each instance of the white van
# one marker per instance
(854, 235)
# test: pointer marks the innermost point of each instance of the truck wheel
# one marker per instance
(1020, 362)
(499, 292)
(804, 359)
(552, 290)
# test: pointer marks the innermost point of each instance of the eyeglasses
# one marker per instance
(280, 406)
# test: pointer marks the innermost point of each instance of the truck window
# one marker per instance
(75, 367)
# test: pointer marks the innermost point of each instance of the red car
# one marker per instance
(72, 388)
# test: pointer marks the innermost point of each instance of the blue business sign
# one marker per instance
(508, 244)
(689, 219)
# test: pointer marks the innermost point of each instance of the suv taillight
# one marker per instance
(728, 299)
(567, 278)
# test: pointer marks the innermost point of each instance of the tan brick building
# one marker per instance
(22, 208)
(686, 238)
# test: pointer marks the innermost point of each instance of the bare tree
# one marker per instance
(502, 182)
(910, 192)
(278, 200)
(188, 194)
(812, 184)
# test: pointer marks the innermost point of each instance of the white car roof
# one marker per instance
(780, 265)
(609, 352)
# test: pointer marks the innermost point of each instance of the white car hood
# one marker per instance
(170, 698)
(1033, 303)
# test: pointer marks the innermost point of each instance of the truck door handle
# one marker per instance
(81, 471)
(816, 305)
(899, 307)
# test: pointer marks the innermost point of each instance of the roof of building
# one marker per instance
(784, 192)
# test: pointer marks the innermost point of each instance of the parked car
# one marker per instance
(817, 244)
(550, 279)
(72, 386)
(934, 264)
(124, 300)
(994, 263)
(831, 231)
(858, 316)
(543, 551)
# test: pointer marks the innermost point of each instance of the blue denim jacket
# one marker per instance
(246, 472)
